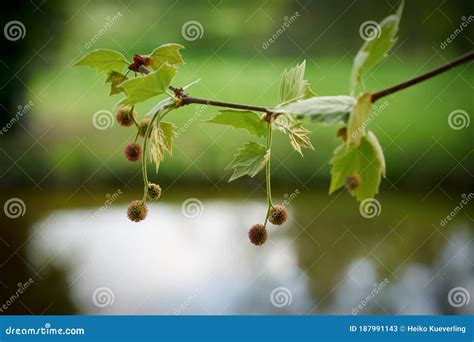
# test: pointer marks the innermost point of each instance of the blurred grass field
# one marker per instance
(408, 126)
(412, 128)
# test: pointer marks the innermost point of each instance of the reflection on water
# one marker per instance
(419, 289)
(172, 264)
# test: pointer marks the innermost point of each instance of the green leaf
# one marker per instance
(167, 53)
(299, 138)
(355, 124)
(379, 156)
(297, 134)
(374, 51)
(293, 86)
(241, 119)
(115, 78)
(365, 161)
(249, 160)
(161, 140)
(103, 60)
(325, 109)
(166, 131)
(141, 88)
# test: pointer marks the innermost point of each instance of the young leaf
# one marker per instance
(167, 53)
(160, 106)
(293, 86)
(115, 78)
(166, 131)
(375, 50)
(374, 142)
(298, 135)
(355, 124)
(365, 161)
(141, 88)
(187, 86)
(326, 109)
(103, 60)
(241, 119)
(161, 140)
(299, 138)
(249, 160)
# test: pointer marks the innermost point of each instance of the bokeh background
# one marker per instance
(67, 256)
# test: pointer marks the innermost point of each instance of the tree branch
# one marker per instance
(458, 61)
(186, 99)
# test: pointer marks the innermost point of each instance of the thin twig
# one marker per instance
(458, 61)
(186, 99)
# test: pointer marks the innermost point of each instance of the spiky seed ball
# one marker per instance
(124, 116)
(133, 151)
(154, 191)
(352, 182)
(258, 234)
(278, 214)
(143, 126)
(137, 211)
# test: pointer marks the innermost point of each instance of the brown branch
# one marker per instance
(458, 61)
(186, 99)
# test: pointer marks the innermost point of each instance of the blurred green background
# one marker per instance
(234, 66)
(54, 158)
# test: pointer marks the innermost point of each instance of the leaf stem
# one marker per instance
(144, 158)
(268, 172)
(450, 65)
(133, 117)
